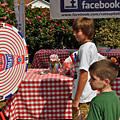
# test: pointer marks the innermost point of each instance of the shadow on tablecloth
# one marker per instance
(56, 95)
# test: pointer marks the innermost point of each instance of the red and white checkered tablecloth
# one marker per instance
(116, 86)
(41, 97)
(112, 52)
(42, 57)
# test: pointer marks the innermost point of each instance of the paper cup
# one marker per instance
(54, 65)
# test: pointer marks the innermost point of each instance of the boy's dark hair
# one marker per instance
(86, 25)
(104, 69)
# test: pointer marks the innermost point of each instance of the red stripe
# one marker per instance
(26, 50)
(3, 51)
(8, 25)
(12, 48)
(15, 82)
(17, 35)
(19, 84)
(18, 48)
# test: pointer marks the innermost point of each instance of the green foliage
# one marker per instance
(41, 31)
(8, 12)
(45, 33)
(108, 33)
(9, 2)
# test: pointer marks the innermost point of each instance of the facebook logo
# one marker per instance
(70, 4)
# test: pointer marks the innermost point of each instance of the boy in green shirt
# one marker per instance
(105, 106)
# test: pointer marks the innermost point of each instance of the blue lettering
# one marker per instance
(9, 61)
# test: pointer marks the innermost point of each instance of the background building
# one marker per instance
(37, 3)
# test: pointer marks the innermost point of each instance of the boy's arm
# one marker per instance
(81, 84)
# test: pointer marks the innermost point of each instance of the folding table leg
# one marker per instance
(1, 114)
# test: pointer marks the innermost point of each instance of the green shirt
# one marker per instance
(105, 106)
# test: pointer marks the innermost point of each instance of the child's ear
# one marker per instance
(107, 81)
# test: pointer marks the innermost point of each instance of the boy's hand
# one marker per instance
(75, 104)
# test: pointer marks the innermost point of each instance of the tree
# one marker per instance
(108, 33)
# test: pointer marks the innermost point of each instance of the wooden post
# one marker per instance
(2, 18)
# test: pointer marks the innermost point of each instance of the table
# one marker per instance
(42, 57)
(112, 52)
(41, 97)
(116, 86)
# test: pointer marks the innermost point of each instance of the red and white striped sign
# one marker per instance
(13, 60)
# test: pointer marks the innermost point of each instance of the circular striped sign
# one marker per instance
(13, 60)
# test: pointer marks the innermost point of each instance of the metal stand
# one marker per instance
(2, 117)
(1, 114)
